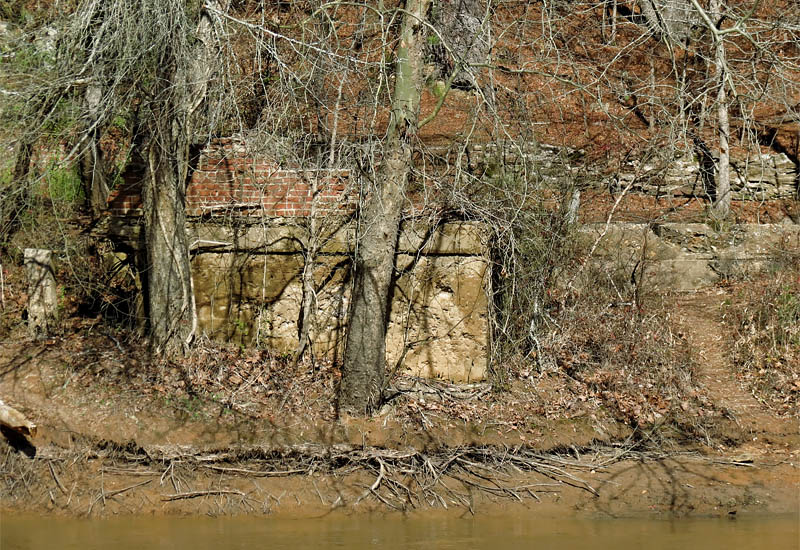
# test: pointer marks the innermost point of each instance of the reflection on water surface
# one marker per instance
(515, 532)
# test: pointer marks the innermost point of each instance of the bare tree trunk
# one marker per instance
(171, 303)
(170, 296)
(22, 164)
(722, 199)
(15, 197)
(363, 370)
(94, 178)
(672, 18)
(651, 100)
(364, 361)
(92, 168)
(613, 22)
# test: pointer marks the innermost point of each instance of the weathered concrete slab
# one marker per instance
(336, 236)
(249, 289)
(42, 292)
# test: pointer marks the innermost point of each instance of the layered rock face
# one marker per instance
(759, 177)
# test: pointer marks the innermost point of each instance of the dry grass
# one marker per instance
(765, 321)
(617, 352)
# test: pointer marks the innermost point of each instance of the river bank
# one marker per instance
(113, 482)
(233, 431)
(164, 461)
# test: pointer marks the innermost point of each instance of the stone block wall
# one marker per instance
(688, 256)
(249, 225)
(758, 177)
(248, 285)
(249, 221)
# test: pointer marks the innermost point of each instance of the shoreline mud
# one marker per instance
(83, 483)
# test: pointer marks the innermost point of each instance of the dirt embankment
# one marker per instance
(115, 437)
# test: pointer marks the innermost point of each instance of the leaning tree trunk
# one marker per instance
(364, 366)
(364, 361)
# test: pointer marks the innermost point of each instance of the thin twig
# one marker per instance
(103, 495)
(120, 491)
(55, 478)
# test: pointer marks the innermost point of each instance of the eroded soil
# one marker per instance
(114, 440)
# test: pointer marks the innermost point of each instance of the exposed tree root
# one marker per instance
(402, 479)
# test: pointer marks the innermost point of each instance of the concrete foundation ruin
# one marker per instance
(258, 230)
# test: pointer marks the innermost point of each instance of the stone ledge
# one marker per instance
(682, 257)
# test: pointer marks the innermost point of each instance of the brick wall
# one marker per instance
(227, 179)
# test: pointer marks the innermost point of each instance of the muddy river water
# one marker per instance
(514, 532)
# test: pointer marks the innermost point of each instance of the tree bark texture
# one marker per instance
(169, 283)
(670, 18)
(722, 198)
(171, 303)
(93, 171)
(364, 366)
(42, 292)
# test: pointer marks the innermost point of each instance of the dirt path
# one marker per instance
(699, 319)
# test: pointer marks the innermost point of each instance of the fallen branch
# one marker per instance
(120, 491)
(128, 471)
(255, 473)
(103, 495)
(55, 478)
(195, 494)
(374, 485)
